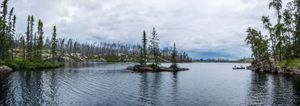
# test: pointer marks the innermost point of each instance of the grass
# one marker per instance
(291, 64)
(20, 64)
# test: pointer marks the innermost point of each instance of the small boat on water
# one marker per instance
(239, 68)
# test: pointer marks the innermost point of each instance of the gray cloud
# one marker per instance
(195, 25)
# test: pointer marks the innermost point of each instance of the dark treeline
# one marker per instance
(282, 43)
(223, 60)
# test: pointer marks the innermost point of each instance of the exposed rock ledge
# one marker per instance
(5, 69)
(259, 67)
(139, 68)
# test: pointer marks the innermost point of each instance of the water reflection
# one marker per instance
(3, 88)
(296, 88)
(150, 88)
(258, 90)
(109, 84)
(273, 89)
(143, 93)
(174, 87)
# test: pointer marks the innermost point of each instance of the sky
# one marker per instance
(202, 28)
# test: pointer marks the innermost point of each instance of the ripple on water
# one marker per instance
(109, 84)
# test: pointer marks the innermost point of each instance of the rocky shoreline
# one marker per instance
(139, 68)
(5, 69)
(259, 67)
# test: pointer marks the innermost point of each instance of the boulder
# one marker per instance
(130, 68)
(102, 60)
(166, 69)
(5, 69)
(296, 72)
(146, 68)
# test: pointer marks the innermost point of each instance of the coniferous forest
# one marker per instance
(32, 49)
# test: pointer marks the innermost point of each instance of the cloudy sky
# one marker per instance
(203, 28)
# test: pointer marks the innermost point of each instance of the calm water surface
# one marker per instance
(90, 84)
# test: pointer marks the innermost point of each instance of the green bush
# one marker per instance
(25, 64)
(174, 66)
(291, 64)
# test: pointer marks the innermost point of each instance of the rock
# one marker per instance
(146, 68)
(150, 69)
(130, 68)
(184, 69)
(5, 69)
(166, 69)
(296, 72)
(102, 60)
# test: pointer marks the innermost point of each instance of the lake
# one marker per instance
(94, 84)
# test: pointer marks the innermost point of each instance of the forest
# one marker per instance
(33, 49)
(280, 47)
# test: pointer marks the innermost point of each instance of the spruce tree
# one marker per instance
(144, 49)
(40, 40)
(174, 58)
(28, 39)
(154, 47)
(23, 46)
(296, 37)
(53, 43)
(3, 34)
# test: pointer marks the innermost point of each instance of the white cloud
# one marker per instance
(195, 25)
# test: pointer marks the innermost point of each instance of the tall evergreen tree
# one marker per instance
(10, 35)
(23, 46)
(154, 47)
(174, 58)
(296, 45)
(3, 32)
(40, 38)
(34, 47)
(28, 39)
(54, 43)
(32, 39)
(144, 49)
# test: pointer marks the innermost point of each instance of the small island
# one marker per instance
(154, 57)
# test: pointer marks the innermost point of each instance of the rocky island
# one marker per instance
(139, 68)
(154, 57)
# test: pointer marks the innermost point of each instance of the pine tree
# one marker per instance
(174, 58)
(3, 34)
(54, 43)
(23, 45)
(144, 49)
(13, 31)
(28, 40)
(34, 47)
(154, 47)
(296, 37)
(40, 40)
